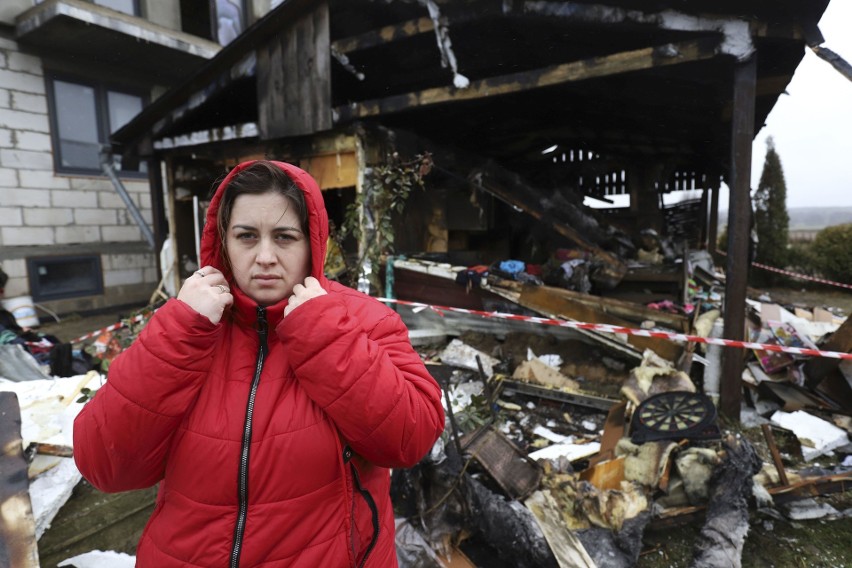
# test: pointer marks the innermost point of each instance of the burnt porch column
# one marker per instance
(742, 135)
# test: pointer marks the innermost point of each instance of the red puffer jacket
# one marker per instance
(270, 436)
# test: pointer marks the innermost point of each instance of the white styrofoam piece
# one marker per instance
(817, 436)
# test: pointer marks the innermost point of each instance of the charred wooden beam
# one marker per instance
(808, 487)
(834, 59)
(739, 213)
(636, 60)
(17, 527)
(817, 368)
(231, 57)
(736, 31)
(510, 188)
(544, 299)
(720, 542)
(629, 311)
(384, 35)
(777, 30)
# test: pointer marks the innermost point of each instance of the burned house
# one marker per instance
(526, 111)
(514, 115)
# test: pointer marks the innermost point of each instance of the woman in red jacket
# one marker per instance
(267, 401)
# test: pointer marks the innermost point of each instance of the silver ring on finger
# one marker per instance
(199, 273)
(222, 288)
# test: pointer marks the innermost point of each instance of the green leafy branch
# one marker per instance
(369, 219)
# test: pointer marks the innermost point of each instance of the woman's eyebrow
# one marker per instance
(287, 228)
(282, 228)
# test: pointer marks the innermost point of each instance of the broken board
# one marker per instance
(510, 467)
(566, 547)
(18, 546)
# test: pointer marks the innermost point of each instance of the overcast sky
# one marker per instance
(812, 125)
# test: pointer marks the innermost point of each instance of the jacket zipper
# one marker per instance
(371, 503)
(242, 488)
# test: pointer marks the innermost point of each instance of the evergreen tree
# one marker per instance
(771, 221)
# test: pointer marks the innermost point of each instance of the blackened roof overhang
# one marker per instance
(678, 111)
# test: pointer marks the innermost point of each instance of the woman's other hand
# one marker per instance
(207, 292)
(302, 293)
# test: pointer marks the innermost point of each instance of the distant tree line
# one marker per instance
(828, 256)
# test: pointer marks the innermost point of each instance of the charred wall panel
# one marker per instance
(293, 78)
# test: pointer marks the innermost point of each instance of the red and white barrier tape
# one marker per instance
(606, 328)
(112, 327)
(795, 274)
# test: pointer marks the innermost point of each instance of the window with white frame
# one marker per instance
(83, 115)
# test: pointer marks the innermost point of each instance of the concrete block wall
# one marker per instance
(43, 213)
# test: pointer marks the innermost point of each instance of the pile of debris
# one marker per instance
(563, 446)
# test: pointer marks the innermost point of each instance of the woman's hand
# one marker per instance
(207, 293)
(304, 292)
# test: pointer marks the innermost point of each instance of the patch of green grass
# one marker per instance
(771, 543)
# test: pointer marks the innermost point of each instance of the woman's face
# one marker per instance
(268, 251)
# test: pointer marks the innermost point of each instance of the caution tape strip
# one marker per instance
(795, 274)
(112, 327)
(606, 328)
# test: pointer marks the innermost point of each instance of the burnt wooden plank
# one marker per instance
(294, 78)
(416, 286)
(383, 35)
(512, 189)
(17, 527)
(630, 311)
(742, 134)
(817, 368)
(624, 62)
(550, 301)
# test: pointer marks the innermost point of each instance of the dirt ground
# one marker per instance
(770, 543)
(73, 326)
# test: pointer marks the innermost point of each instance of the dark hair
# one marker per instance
(259, 178)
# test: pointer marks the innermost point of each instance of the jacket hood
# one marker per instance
(211, 239)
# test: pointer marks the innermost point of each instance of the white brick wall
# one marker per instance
(21, 120)
(35, 141)
(28, 102)
(125, 261)
(128, 233)
(74, 198)
(22, 236)
(17, 284)
(11, 217)
(46, 180)
(25, 160)
(48, 217)
(77, 234)
(25, 198)
(8, 177)
(119, 277)
(18, 81)
(95, 216)
(42, 208)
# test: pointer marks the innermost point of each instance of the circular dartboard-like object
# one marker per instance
(673, 415)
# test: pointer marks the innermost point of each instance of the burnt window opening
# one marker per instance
(61, 277)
